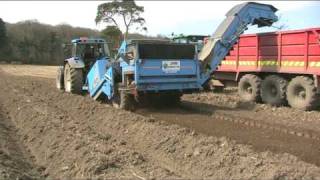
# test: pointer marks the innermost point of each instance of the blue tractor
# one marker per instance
(147, 71)
(71, 75)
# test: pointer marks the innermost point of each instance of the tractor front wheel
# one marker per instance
(73, 79)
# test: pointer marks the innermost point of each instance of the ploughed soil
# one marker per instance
(48, 134)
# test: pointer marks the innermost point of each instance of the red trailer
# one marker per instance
(277, 68)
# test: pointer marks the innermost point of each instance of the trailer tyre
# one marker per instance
(302, 93)
(273, 90)
(249, 88)
(73, 79)
(60, 78)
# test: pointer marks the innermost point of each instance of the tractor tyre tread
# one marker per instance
(76, 79)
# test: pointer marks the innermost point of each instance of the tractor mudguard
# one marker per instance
(75, 63)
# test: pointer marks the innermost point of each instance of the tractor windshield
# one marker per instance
(91, 50)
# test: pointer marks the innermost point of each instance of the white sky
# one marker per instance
(162, 17)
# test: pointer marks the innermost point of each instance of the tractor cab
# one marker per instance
(89, 50)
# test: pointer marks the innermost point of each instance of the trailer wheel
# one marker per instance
(73, 79)
(249, 88)
(273, 90)
(302, 93)
(60, 78)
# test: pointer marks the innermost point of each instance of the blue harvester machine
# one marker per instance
(156, 70)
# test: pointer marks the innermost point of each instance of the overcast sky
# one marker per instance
(162, 17)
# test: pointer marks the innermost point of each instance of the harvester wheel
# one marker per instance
(166, 100)
(73, 80)
(249, 88)
(60, 78)
(302, 93)
(273, 90)
(123, 100)
(143, 100)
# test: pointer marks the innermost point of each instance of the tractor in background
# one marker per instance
(198, 40)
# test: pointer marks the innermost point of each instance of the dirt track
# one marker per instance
(68, 136)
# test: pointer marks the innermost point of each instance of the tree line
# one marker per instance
(32, 42)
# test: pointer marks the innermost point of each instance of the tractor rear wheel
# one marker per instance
(249, 88)
(302, 93)
(73, 79)
(60, 78)
(273, 90)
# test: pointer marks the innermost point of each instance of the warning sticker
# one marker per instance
(170, 66)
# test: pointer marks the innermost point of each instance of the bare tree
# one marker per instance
(127, 10)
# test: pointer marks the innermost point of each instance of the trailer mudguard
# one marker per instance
(229, 31)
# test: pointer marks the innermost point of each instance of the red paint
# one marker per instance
(283, 47)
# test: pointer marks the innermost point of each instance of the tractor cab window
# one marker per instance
(74, 50)
(92, 51)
